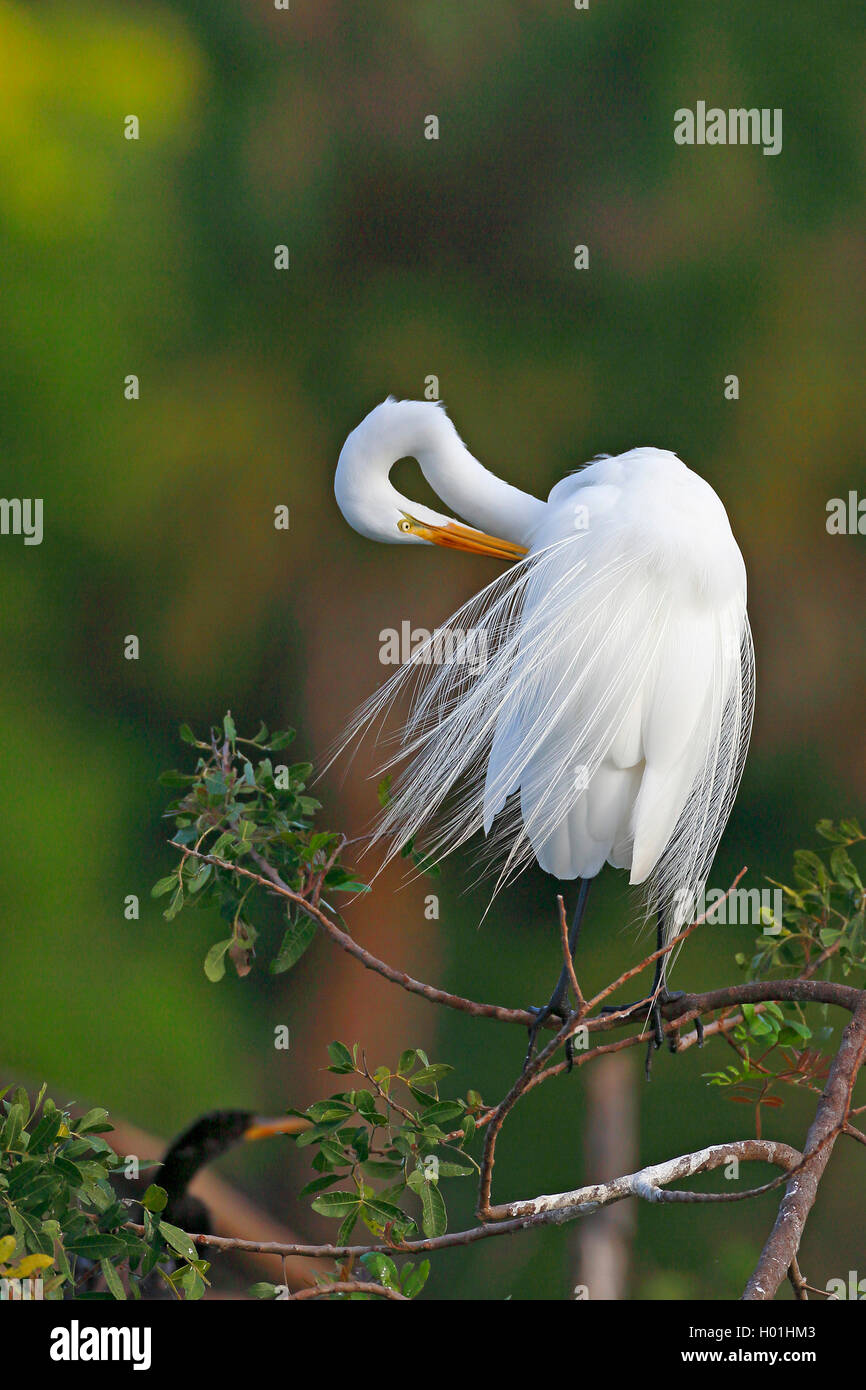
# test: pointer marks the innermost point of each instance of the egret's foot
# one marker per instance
(556, 1007)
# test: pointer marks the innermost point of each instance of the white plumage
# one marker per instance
(610, 719)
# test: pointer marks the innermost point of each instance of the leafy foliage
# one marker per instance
(822, 915)
(822, 930)
(242, 807)
(382, 1151)
(61, 1218)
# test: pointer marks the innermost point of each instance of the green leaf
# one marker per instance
(96, 1246)
(337, 1204)
(163, 886)
(325, 1111)
(341, 1057)
(843, 868)
(192, 1283)
(178, 1240)
(381, 1211)
(346, 884)
(187, 734)
(263, 1290)
(443, 1112)
(425, 864)
(229, 729)
(46, 1131)
(214, 961)
(95, 1121)
(155, 1198)
(794, 1033)
(347, 1226)
(174, 906)
(319, 1184)
(413, 1280)
(829, 831)
(434, 1220)
(199, 878)
(382, 1268)
(173, 778)
(809, 869)
(295, 942)
(431, 1075)
(112, 1279)
(406, 1062)
(382, 1167)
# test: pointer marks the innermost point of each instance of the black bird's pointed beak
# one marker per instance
(263, 1127)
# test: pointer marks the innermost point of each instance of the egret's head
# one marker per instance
(374, 507)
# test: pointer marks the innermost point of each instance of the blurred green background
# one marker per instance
(409, 258)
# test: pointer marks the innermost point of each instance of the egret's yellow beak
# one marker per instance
(282, 1124)
(455, 536)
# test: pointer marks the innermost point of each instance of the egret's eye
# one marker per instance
(404, 525)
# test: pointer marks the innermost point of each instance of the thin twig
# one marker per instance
(798, 1283)
(347, 1286)
(567, 957)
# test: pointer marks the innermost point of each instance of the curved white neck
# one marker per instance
(421, 430)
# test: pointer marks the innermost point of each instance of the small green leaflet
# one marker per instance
(295, 942)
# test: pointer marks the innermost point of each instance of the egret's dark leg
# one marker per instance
(659, 995)
(557, 1005)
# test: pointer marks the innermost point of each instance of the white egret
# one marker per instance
(610, 718)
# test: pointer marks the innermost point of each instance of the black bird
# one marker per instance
(198, 1145)
(206, 1139)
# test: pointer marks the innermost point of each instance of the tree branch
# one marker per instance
(347, 1286)
(831, 1118)
(649, 1183)
(678, 1011)
(778, 1260)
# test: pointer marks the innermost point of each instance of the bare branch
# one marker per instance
(649, 1183)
